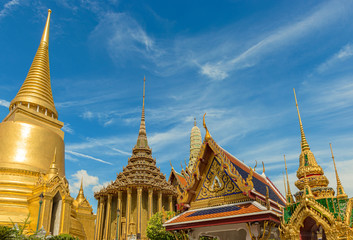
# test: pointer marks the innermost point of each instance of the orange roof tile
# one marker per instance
(190, 216)
(181, 179)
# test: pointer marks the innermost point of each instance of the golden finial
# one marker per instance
(304, 143)
(263, 167)
(142, 137)
(284, 182)
(170, 162)
(289, 194)
(45, 36)
(255, 165)
(194, 121)
(36, 89)
(340, 190)
(207, 135)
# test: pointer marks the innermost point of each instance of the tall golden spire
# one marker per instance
(142, 137)
(289, 195)
(307, 162)
(304, 144)
(340, 190)
(36, 89)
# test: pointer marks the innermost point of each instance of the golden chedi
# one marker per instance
(32, 163)
(316, 212)
(139, 191)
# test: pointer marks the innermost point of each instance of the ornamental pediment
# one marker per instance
(216, 183)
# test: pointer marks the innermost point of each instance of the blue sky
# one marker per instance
(235, 60)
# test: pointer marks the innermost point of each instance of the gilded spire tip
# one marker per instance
(194, 121)
(289, 194)
(340, 190)
(304, 143)
(45, 36)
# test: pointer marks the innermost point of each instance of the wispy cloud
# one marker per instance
(67, 128)
(122, 152)
(4, 103)
(327, 14)
(88, 156)
(124, 37)
(343, 54)
(8, 7)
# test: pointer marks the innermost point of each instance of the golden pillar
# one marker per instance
(108, 218)
(128, 211)
(160, 201)
(97, 219)
(101, 220)
(139, 196)
(150, 202)
(66, 212)
(46, 212)
(118, 207)
(170, 199)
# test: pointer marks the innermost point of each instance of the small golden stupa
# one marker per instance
(32, 163)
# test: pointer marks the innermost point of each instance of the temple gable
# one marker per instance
(216, 183)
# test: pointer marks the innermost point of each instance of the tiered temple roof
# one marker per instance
(141, 169)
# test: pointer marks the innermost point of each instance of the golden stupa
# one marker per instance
(32, 163)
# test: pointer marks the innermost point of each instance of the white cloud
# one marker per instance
(122, 152)
(109, 122)
(7, 8)
(90, 183)
(100, 186)
(70, 158)
(87, 156)
(284, 36)
(343, 54)
(4, 103)
(87, 180)
(87, 115)
(214, 71)
(124, 37)
(67, 128)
